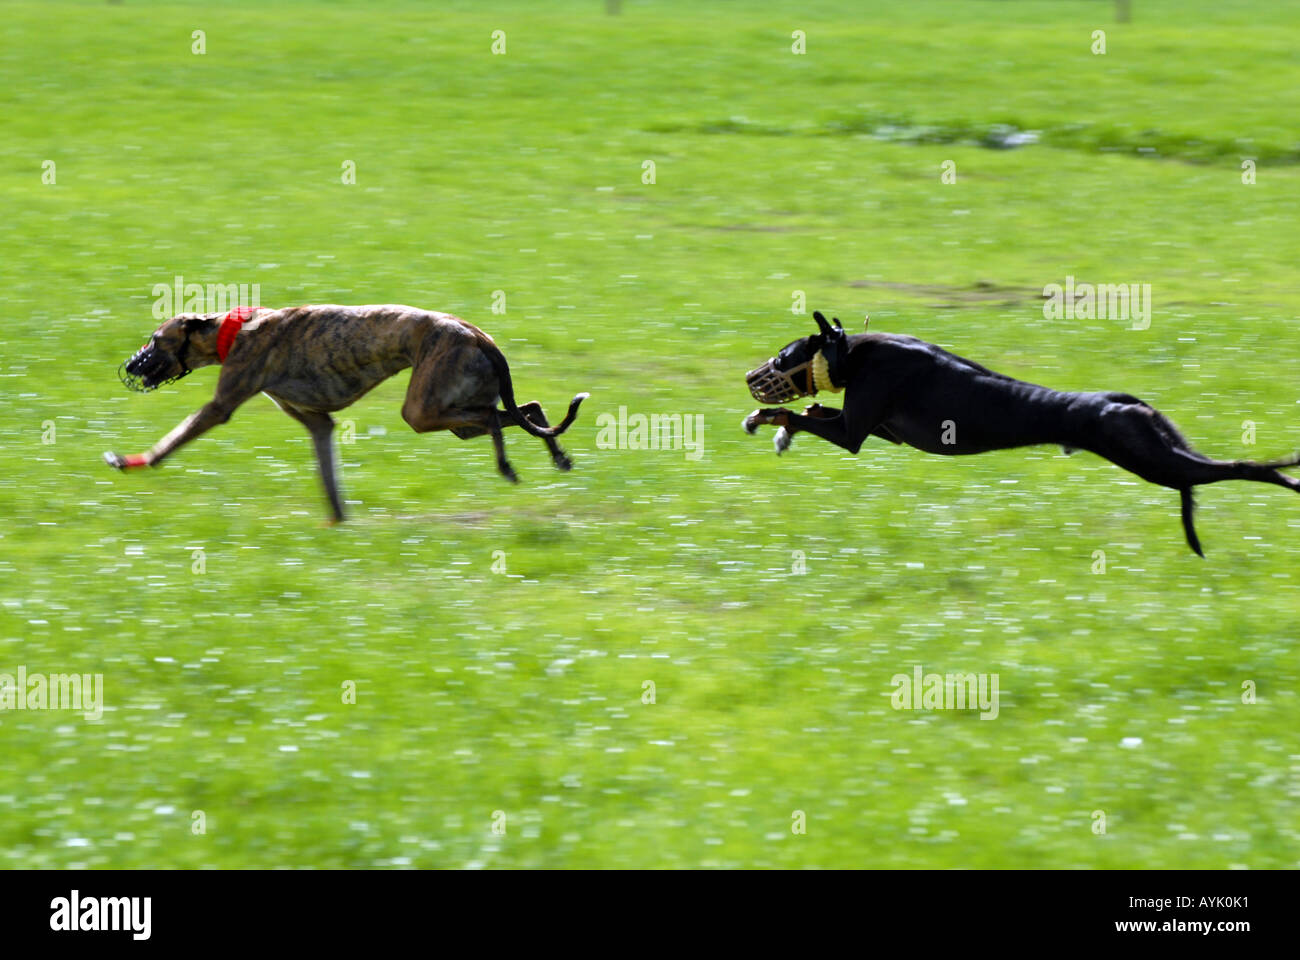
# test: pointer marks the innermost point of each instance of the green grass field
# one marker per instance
(482, 693)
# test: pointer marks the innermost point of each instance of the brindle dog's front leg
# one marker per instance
(321, 427)
(196, 424)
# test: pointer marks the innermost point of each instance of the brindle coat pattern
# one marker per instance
(315, 360)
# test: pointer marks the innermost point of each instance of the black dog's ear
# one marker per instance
(822, 324)
(836, 349)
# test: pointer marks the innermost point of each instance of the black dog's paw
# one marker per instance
(750, 423)
(781, 440)
(562, 462)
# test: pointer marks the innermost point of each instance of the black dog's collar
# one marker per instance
(821, 375)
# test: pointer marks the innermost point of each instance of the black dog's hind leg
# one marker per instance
(1229, 470)
(1189, 506)
(1144, 441)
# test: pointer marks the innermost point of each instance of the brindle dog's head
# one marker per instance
(167, 356)
(790, 373)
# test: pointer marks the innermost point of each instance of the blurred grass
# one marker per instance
(521, 692)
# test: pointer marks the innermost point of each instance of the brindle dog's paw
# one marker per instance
(126, 463)
(781, 440)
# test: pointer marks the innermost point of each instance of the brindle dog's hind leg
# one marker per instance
(464, 422)
(468, 433)
(533, 411)
(499, 444)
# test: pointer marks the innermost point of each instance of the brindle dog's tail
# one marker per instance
(508, 396)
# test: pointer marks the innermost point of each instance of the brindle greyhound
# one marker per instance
(907, 391)
(315, 360)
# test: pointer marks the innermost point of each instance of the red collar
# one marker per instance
(231, 324)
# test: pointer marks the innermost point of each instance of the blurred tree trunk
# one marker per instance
(1122, 9)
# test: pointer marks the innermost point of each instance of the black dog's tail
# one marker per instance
(1189, 506)
(508, 396)
(1291, 461)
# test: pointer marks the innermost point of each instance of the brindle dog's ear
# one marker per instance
(196, 323)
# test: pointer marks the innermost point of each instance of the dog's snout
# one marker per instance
(147, 369)
(770, 385)
(136, 361)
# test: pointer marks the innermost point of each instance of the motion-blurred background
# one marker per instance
(658, 659)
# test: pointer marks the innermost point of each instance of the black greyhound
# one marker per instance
(905, 390)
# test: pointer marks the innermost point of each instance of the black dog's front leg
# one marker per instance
(785, 435)
(834, 429)
(865, 407)
(837, 429)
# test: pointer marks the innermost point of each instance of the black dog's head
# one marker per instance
(166, 357)
(791, 373)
